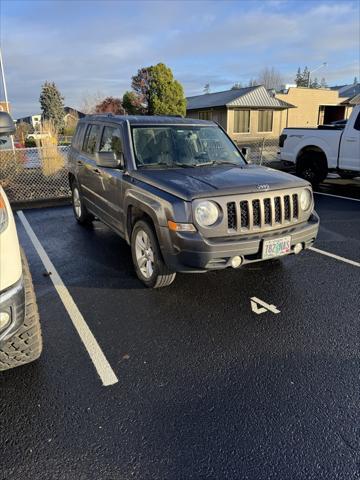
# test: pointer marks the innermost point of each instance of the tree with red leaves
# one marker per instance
(110, 105)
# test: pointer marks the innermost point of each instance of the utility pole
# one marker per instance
(5, 92)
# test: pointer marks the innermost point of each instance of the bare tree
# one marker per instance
(270, 78)
(89, 102)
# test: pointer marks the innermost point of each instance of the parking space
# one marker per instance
(210, 383)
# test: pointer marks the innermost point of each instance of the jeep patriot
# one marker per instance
(181, 194)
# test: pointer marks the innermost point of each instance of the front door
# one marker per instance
(350, 146)
(110, 187)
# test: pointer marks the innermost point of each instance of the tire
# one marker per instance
(145, 249)
(80, 211)
(26, 345)
(312, 167)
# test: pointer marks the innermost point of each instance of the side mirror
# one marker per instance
(7, 126)
(109, 159)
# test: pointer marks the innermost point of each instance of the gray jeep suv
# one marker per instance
(179, 191)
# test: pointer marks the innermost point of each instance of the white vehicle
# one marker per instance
(37, 136)
(20, 331)
(328, 148)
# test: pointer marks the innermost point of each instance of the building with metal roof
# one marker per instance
(246, 113)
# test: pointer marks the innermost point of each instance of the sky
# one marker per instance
(93, 47)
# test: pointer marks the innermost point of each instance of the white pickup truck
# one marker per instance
(329, 148)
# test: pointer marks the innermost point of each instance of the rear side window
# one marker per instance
(111, 141)
(78, 137)
(91, 137)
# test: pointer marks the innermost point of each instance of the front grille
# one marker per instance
(231, 212)
(263, 213)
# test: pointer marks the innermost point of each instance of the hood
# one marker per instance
(200, 182)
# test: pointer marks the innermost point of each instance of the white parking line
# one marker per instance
(337, 257)
(338, 196)
(97, 356)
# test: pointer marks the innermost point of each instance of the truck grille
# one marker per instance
(252, 215)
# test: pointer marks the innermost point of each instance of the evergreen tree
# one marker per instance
(52, 105)
(323, 83)
(158, 91)
(132, 102)
(314, 83)
(207, 88)
(355, 81)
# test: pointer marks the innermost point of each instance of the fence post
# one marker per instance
(261, 150)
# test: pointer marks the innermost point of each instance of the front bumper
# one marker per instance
(191, 252)
(12, 300)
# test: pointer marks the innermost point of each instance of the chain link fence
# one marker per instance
(40, 174)
(34, 174)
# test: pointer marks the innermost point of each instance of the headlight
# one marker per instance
(3, 214)
(305, 199)
(206, 213)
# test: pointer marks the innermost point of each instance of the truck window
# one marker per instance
(357, 122)
(91, 136)
(111, 140)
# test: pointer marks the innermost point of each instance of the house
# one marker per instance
(33, 120)
(316, 106)
(246, 113)
(71, 115)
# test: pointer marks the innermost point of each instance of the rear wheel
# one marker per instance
(148, 262)
(80, 211)
(26, 345)
(312, 167)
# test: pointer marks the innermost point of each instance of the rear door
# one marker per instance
(88, 173)
(349, 158)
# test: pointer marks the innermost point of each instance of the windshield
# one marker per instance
(183, 146)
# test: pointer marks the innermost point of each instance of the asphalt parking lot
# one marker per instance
(196, 382)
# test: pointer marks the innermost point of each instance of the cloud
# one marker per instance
(99, 45)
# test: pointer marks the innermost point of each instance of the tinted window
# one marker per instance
(77, 140)
(91, 136)
(111, 141)
(357, 123)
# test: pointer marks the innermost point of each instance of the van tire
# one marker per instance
(26, 345)
(81, 213)
(312, 166)
(161, 275)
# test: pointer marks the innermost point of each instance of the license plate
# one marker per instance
(276, 247)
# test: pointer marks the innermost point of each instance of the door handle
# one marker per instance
(351, 139)
(97, 171)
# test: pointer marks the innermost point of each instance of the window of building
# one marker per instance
(205, 115)
(91, 137)
(241, 121)
(111, 141)
(265, 122)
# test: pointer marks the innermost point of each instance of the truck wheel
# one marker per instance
(312, 167)
(26, 345)
(148, 262)
(80, 211)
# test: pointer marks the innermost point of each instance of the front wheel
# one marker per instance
(148, 262)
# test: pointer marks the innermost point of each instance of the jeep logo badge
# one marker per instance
(262, 186)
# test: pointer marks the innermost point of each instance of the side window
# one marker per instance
(111, 141)
(91, 136)
(77, 139)
(357, 122)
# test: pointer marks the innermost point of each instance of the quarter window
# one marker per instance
(241, 121)
(111, 141)
(265, 122)
(91, 136)
(357, 122)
